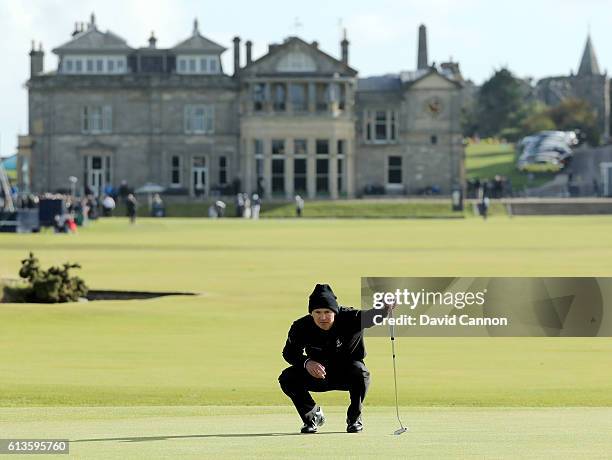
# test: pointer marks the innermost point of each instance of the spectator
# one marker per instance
(483, 207)
(255, 206)
(247, 207)
(131, 206)
(157, 207)
(81, 211)
(239, 205)
(60, 223)
(108, 206)
(220, 208)
(299, 205)
(71, 224)
(260, 186)
(92, 205)
(124, 191)
(108, 190)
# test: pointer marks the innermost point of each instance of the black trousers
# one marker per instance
(353, 377)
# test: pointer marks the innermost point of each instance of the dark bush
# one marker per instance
(54, 285)
(17, 293)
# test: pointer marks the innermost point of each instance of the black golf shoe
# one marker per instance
(313, 423)
(354, 426)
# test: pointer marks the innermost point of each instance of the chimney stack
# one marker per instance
(249, 49)
(236, 55)
(37, 59)
(422, 62)
(344, 44)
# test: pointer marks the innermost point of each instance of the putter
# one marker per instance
(402, 429)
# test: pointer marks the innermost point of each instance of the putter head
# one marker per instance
(400, 431)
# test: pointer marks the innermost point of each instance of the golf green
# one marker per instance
(272, 432)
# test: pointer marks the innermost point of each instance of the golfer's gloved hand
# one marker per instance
(317, 370)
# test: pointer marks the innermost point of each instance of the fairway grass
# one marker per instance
(272, 432)
(223, 347)
(197, 376)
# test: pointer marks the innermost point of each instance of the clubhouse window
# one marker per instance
(259, 96)
(278, 147)
(340, 147)
(299, 174)
(222, 170)
(259, 169)
(300, 147)
(92, 65)
(258, 146)
(199, 119)
(380, 126)
(278, 175)
(279, 92)
(203, 64)
(394, 170)
(297, 92)
(322, 175)
(322, 96)
(175, 171)
(96, 119)
(322, 147)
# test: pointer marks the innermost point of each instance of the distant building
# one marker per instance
(295, 120)
(589, 84)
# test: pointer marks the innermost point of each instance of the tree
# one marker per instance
(500, 104)
(538, 120)
(469, 121)
(576, 114)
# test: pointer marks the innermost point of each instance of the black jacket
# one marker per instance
(341, 344)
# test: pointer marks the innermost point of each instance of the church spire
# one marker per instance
(588, 63)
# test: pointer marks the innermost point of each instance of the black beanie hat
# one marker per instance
(322, 297)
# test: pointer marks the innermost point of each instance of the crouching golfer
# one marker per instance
(332, 337)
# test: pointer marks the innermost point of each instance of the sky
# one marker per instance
(535, 38)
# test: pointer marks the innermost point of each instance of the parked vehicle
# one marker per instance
(546, 150)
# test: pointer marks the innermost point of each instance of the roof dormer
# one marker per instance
(91, 51)
(198, 54)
